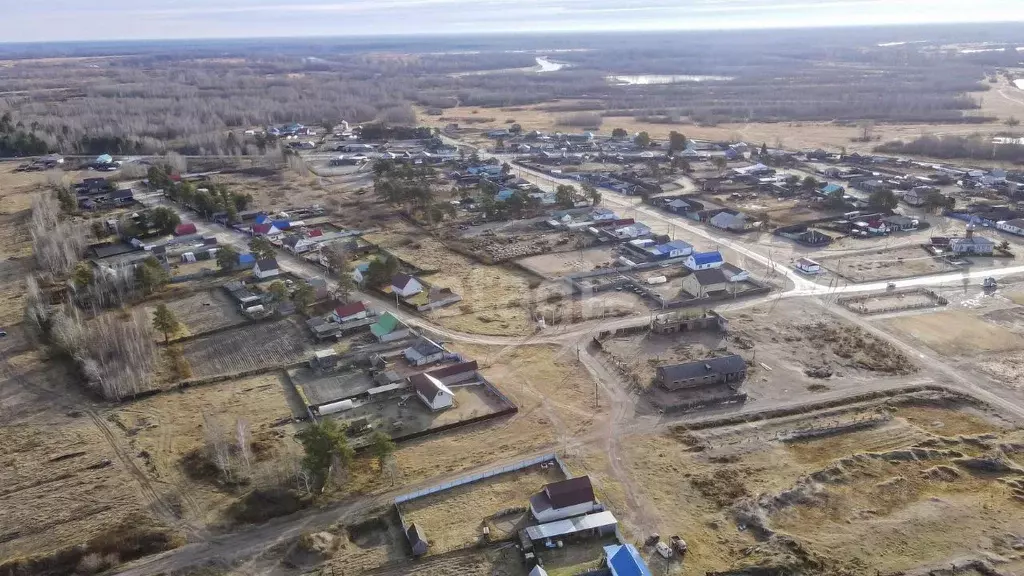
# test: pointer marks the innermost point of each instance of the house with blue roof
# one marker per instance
(625, 560)
(504, 194)
(830, 189)
(674, 249)
(246, 260)
(704, 260)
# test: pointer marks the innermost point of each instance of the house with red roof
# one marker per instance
(185, 229)
(349, 312)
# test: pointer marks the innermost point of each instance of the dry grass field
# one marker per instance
(454, 518)
(202, 311)
(494, 298)
(16, 260)
(972, 335)
(850, 501)
(168, 430)
(885, 264)
(265, 345)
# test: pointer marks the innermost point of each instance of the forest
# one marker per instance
(956, 147)
(196, 98)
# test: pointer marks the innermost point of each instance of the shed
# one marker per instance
(625, 560)
(598, 522)
(185, 229)
(417, 540)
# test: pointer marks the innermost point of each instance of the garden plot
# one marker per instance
(913, 299)
(904, 262)
(454, 518)
(405, 414)
(203, 312)
(247, 348)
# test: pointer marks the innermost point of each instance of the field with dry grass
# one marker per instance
(16, 260)
(169, 432)
(454, 518)
(202, 311)
(905, 493)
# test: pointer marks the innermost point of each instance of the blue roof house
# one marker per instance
(504, 194)
(829, 189)
(262, 218)
(282, 224)
(704, 260)
(625, 561)
(675, 249)
(245, 260)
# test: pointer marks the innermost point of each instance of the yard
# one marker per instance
(406, 414)
(455, 518)
(264, 345)
(322, 388)
(885, 264)
(560, 264)
(891, 301)
(202, 312)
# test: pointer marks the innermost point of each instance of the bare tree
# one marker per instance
(243, 433)
(216, 445)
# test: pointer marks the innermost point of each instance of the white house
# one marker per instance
(349, 312)
(432, 392)
(704, 260)
(266, 268)
(558, 500)
(602, 215)
(632, 231)
(405, 285)
(1015, 226)
(808, 266)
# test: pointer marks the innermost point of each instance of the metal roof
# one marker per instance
(571, 525)
(723, 365)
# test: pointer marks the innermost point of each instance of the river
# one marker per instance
(547, 65)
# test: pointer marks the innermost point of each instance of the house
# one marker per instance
(830, 189)
(1015, 226)
(705, 281)
(387, 328)
(265, 229)
(729, 220)
(432, 392)
(918, 195)
(349, 312)
(673, 249)
(266, 268)
(424, 352)
(246, 260)
(808, 266)
(558, 500)
(704, 260)
(678, 206)
(971, 244)
(298, 244)
(625, 560)
(573, 529)
(901, 223)
(538, 570)
(734, 273)
(122, 196)
(455, 373)
(602, 215)
(185, 229)
(417, 540)
(325, 359)
(636, 230)
(319, 286)
(405, 285)
(723, 370)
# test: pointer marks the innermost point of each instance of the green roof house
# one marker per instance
(388, 328)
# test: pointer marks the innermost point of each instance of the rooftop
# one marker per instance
(688, 370)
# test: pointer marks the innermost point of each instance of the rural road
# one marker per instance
(622, 419)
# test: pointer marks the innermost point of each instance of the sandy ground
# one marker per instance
(561, 264)
(883, 301)
(454, 518)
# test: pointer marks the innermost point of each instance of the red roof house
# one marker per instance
(184, 229)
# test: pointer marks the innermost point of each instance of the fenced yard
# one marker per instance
(202, 312)
(266, 345)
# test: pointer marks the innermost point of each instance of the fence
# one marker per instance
(481, 476)
(934, 300)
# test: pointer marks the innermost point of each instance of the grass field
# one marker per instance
(454, 518)
(168, 427)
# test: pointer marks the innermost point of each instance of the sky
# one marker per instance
(55, 20)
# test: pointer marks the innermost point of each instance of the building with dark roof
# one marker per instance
(417, 540)
(266, 268)
(730, 369)
(424, 352)
(704, 282)
(558, 500)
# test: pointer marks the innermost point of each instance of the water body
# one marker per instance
(547, 65)
(645, 79)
